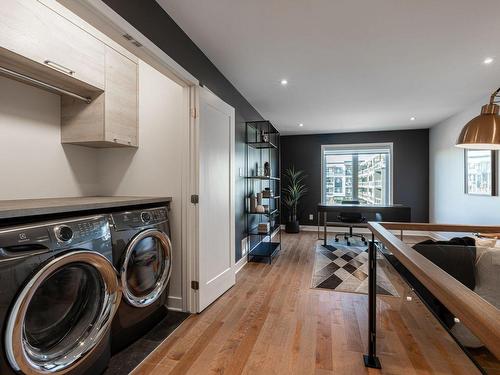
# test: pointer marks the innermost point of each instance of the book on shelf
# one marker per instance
(264, 227)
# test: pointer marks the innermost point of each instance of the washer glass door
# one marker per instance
(62, 313)
(62, 309)
(146, 267)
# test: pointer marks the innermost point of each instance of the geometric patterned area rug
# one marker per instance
(345, 269)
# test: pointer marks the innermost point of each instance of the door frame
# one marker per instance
(192, 245)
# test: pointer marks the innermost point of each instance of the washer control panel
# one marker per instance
(139, 218)
(54, 234)
(84, 230)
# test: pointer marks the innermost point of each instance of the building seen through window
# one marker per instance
(357, 172)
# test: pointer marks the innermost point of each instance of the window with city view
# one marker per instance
(357, 173)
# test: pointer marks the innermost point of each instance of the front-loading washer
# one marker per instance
(142, 254)
(58, 297)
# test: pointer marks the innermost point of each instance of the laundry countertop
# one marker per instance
(48, 206)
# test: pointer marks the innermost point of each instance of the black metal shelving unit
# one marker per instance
(263, 145)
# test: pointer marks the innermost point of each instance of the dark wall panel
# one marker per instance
(410, 173)
(152, 21)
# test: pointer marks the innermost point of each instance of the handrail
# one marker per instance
(442, 227)
(478, 315)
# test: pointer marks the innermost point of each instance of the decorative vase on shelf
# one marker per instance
(267, 169)
(253, 203)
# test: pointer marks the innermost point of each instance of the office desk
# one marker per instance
(390, 212)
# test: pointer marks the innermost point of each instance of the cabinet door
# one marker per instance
(120, 99)
(32, 30)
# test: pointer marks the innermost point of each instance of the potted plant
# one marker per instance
(292, 194)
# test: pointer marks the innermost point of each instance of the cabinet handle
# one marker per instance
(129, 141)
(59, 67)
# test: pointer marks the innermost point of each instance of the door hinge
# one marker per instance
(195, 199)
(195, 285)
(194, 113)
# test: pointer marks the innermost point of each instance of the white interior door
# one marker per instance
(215, 144)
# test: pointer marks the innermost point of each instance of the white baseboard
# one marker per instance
(174, 303)
(332, 229)
(244, 247)
(241, 263)
(244, 251)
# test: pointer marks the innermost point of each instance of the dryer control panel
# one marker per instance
(139, 218)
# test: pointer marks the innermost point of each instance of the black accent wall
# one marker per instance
(152, 21)
(410, 166)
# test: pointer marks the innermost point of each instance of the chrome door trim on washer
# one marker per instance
(15, 341)
(161, 283)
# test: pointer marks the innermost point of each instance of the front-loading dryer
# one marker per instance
(142, 254)
(58, 297)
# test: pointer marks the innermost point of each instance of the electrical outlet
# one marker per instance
(311, 217)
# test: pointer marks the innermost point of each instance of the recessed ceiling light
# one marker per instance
(301, 124)
(488, 60)
(413, 118)
(284, 82)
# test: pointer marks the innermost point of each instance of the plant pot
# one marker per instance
(292, 226)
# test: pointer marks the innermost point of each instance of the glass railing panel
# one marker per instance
(471, 262)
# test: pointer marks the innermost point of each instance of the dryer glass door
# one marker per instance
(146, 268)
(62, 313)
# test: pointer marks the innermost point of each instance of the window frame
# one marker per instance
(360, 146)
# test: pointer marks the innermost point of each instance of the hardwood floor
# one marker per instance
(272, 322)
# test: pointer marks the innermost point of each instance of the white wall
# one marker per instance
(448, 202)
(155, 168)
(33, 163)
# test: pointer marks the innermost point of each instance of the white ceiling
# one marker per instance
(352, 65)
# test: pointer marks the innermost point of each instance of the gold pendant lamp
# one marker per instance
(483, 131)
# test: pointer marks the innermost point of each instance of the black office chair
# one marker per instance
(351, 218)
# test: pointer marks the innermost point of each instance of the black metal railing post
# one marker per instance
(325, 219)
(371, 359)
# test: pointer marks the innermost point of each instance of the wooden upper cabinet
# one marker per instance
(35, 32)
(110, 120)
(40, 43)
(120, 116)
